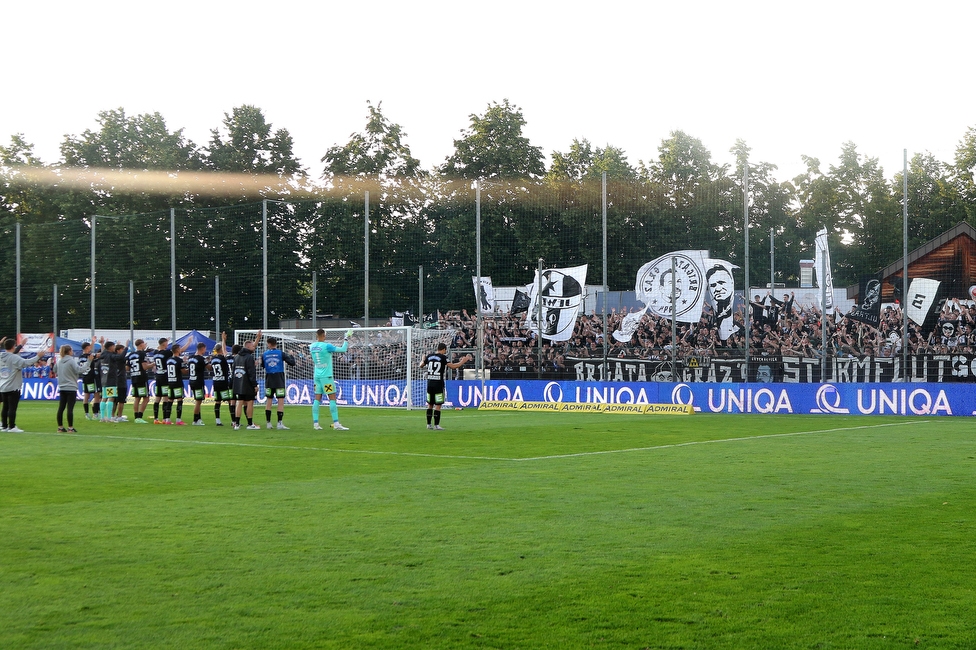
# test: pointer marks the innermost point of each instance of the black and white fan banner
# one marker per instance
(560, 295)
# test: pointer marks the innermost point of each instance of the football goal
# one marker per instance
(381, 366)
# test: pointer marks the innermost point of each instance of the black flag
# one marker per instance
(868, 310)
(521, 302)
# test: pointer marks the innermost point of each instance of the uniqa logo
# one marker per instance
(678, 395)
(828, 400)
(551, 391)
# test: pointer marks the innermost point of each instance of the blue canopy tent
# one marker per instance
(192, 338)
(60, 340)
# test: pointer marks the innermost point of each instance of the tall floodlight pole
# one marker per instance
(772, 265)
(606, 368)
(745, 289)
(904, 262)
(366, 261)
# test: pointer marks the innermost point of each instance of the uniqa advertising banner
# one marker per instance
(826, 398)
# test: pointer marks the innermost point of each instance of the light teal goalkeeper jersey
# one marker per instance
(322, 356)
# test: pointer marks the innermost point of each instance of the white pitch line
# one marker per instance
(255, 445)
(708, 442)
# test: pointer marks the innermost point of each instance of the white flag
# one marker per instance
(562, 292)
(825, 280)
(484, 293)
(658, 288)
(721, 294)
(920, 298)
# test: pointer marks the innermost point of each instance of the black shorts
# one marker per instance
(222, 391)
(435, 392)
(274, 380)
(160, 384)
(123, 392)
(245, 397)
(198, 391)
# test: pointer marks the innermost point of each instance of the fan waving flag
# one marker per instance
(921, 302)
(656, 283)
(677, 278)
(824, 278)
(561, 292)
(868, 311)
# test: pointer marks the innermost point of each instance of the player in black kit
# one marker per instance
(221, 370)
(139, 376)
(197, 370)
(159, 370)
(435, 369)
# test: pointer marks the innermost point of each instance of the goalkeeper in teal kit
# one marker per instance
(323, 379)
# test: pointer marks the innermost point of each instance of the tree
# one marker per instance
(582, 162)
(249, 146)
(377, 152)
(493, 147)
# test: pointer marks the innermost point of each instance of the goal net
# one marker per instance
(381, 367)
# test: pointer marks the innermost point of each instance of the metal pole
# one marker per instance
(772, 266)
(823, 317)
(264, 262)
(132, 312)
(904, 273)
(55, 323)
(674, 324)
(93, 221)
(217, 308)
(746, 289)
(315, 299)
(606, 345)
(18, 276)
(479, 341)
(366, 264)
(172, 270)
(420, 295)
(538, 309)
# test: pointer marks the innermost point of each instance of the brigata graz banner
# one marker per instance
(938, 368)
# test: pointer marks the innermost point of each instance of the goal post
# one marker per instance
(381, 367)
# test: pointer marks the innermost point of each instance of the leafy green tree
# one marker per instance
(248, 145)
(935, 203)
(964, 171)
(583, 162)
(771, 208)
(693, 195)
(493, 147)
(379, 151)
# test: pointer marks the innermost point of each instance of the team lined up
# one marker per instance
(109, 372)
(106, 374)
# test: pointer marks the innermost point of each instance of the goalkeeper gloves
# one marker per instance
(348, 334)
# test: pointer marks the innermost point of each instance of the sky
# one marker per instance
(788, 78)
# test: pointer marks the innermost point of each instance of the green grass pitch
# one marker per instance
(506, 530)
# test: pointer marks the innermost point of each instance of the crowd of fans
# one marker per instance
(778, 328)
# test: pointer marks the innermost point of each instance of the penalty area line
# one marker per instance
(691, 443)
